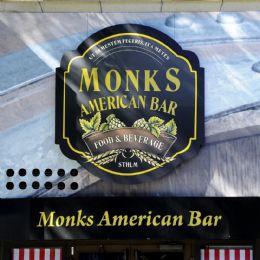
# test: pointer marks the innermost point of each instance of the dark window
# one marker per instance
(160, 256)
(102, 256)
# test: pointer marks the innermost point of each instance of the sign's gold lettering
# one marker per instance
(149, 81)
(173, 79)
(196, 219)
(91, 81)
(117, 80)
(86, 79)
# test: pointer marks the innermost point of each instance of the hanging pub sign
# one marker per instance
(129, 104)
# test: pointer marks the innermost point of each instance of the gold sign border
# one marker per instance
(195, 110)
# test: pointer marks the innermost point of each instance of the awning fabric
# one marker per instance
(37, 254)
(226, 254)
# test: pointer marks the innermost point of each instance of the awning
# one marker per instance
(227, 254)
(37, 254)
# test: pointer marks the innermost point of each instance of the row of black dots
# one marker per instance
(36, 172)
(36, 185)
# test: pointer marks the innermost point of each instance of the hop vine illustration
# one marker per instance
(154, 124)
(92, 125)
(141, 123)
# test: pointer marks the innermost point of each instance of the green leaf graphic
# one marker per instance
(95, 121)
(155, 121)
(104, 127)
(171, 127)
(85, 125)
(155, 131)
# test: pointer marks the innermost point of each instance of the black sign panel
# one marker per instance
(129, 104)
(143, 218)
(130, 218)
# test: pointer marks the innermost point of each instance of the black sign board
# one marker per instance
(129, 104)
(130, 218)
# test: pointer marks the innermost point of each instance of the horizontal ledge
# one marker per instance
(233, 126)
(128, 6)
(240, 5)
(191, 6)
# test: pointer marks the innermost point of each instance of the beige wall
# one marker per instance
(127, 5)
